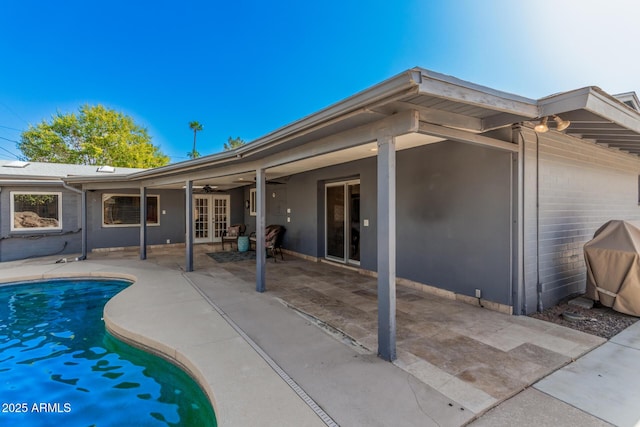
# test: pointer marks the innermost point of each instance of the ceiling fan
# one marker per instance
(209, 189)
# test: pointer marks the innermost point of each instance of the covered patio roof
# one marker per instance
(420, 106)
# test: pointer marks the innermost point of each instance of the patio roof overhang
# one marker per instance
(596, 117)
(418, 107)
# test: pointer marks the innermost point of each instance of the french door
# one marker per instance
(211, 217)
(342, 222)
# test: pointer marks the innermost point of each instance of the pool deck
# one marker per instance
(455, 361)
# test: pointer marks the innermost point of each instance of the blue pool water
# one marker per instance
(58, 365)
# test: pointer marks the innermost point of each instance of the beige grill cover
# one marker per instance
(613, 266)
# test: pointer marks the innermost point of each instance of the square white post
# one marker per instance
(188, 240)
(387, 248)
(143, 222)
(261, 253)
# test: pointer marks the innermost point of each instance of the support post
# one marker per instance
(188, 219)
(143, 222)
(261, 253)
(83, 223)
(386, 248)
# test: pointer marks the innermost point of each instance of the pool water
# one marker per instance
(58, 365)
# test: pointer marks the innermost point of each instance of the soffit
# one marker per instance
(597, 117)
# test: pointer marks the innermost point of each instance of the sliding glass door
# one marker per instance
(342, 226)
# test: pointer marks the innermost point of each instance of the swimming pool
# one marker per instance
(59, 365)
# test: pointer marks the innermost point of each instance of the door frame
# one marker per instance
(211, 238)
(347, 223)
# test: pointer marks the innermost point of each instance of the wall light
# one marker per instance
(542, 126)
(561, 124)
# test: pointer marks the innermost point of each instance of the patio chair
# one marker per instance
(232, 233)
(273, 239)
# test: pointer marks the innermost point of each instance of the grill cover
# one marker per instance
(613, 266)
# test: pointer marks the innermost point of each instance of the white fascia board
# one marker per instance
(594, 100)
(563, 102)
(457, 90)
(359, 102)
(31, 182)
(401, 84)
(606, 106)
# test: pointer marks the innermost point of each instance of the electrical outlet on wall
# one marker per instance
(478, 293)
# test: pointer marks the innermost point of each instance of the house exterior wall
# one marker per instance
(28, 244)
(453, 216)
(171, 222)
(581, 186)
(276, 202)
(236, 205)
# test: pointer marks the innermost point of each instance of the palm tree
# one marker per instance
(196, 127)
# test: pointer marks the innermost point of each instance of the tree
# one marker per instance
(94, 136)
(233, 143)
(195, 127)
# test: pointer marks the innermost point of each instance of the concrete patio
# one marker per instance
(317, 321)
(472, 355)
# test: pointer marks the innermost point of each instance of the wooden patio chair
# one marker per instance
(274, 235)
(232, 233)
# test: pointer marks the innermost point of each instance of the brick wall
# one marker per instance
(581, 186)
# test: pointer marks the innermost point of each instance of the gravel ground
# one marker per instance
(601, 321)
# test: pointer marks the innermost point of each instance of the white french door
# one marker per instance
(211, 217)
(342, 222)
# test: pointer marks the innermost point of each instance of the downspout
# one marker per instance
(538, 283)
(521, 209)
(83, 220)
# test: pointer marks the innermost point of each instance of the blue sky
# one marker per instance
(244, 68)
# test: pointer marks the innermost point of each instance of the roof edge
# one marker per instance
(400, 83)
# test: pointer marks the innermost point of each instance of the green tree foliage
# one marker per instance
(94, 136)
(234, 143)
(195, 127)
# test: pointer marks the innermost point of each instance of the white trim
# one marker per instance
(106, 196)
(36, 193)
(252, 202)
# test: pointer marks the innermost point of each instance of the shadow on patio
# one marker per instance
(472, 355)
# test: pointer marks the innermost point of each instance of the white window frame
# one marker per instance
(106, 196)
(36, 193)
(253, 202)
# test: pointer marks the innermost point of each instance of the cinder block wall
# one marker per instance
(581, 186)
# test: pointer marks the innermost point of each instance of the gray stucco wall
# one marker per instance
(28, 244)
(277, 204)
(453, 216)
(236, 205)
(582, 186)
(171, 221)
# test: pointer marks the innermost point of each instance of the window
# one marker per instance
(123, 210)
(252, 202)
(36, 210)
